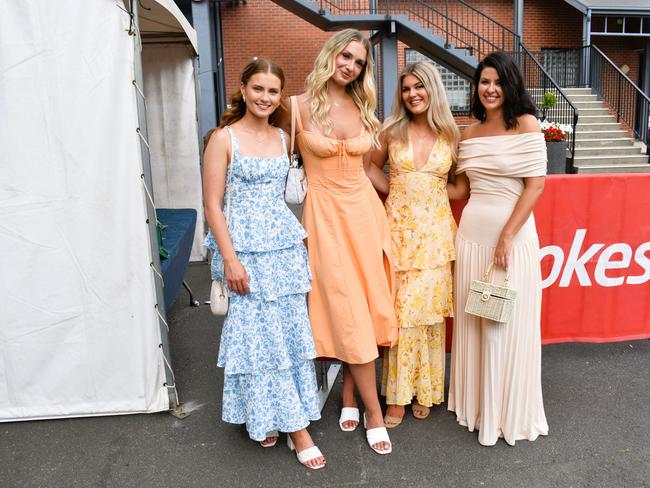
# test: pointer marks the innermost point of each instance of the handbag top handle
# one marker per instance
(488, 271)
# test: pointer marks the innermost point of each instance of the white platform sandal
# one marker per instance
(377, 435)
(349, 414)
(307, 455)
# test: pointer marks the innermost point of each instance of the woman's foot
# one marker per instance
(420, 411)
(308, 454)
(271, 439)
(375, 429)
(394, 416)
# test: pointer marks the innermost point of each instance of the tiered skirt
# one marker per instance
(267, 348)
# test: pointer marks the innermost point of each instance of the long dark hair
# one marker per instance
(517, 100)
(237, 105)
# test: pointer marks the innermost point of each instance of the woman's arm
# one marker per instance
(458, 189)
(373, 164)
(533, 188)
(217, 155)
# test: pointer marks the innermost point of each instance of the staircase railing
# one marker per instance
(459, 23)
(625, 98)
(538, 82)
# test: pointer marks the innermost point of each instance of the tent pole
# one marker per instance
(151, 211)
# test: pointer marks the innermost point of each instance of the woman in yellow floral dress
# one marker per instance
(420, 141)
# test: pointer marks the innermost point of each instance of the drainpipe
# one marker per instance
(519, 26)
(585, 75)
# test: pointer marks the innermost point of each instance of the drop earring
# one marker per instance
(244, 98)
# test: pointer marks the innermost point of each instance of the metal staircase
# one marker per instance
(452, 32)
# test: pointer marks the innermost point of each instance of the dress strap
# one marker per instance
(234, 145)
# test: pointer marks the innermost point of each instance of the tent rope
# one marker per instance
(172, 386)
(137, 87)
(161, 317)
(162, 280)
(143, 139)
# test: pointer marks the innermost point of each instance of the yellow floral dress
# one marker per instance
(422, 233)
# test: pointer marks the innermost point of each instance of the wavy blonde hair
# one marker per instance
(438, 114)
(362, 90)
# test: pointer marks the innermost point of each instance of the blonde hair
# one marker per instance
(362, 90)
(438, 114)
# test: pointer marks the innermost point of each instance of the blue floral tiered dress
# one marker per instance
(267, 346)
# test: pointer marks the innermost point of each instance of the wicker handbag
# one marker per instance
(490, 301)
(296, 187)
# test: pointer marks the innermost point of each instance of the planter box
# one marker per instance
(556, 154)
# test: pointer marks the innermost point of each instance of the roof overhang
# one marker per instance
(163, 18)
(622, 7)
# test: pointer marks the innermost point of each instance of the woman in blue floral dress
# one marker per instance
(267, 348)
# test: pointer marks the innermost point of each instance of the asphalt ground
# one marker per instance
(597, 399)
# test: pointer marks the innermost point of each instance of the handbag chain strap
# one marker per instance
(293, 160)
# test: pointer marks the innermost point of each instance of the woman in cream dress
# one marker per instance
(420, 141)
(495, 380)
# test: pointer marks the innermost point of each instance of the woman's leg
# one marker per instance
(365, 379)
(349, 396)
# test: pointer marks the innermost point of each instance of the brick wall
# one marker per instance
(261, 28)
(625, 50)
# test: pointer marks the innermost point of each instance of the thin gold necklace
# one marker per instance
(420, 138)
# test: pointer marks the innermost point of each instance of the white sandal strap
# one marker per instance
(349, 414)
(308, 454)
(377, 435)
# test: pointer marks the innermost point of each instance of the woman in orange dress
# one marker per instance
(351, 303)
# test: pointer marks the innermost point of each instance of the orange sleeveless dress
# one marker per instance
(351, 304)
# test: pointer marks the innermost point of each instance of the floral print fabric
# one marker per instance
(422, 234)
(266, 346)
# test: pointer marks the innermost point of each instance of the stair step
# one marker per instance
(605, 142)
(600, 134)
(620, 168)
(607, 150)
(587, 104)
(592, 119)
(583, 98)
(577, 91)
(599, 126)
(611, 160)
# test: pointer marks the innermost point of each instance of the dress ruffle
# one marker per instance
(424, 297)
(271, 274)
(285, 400)
(263, 335)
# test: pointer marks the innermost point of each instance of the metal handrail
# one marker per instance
(455, 20)
(631, 105)
(538, 82)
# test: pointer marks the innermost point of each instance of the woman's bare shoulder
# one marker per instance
(528, 123)
(469, 131)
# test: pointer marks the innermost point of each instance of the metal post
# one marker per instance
(211, 79)
(151, 212)
(388, 67)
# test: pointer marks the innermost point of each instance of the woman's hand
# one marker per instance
(502, 252)
(236, 276)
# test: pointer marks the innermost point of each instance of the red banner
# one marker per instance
(594, 233)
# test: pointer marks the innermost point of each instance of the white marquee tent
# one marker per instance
(82, 328)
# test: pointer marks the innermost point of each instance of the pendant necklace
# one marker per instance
(420, 138)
